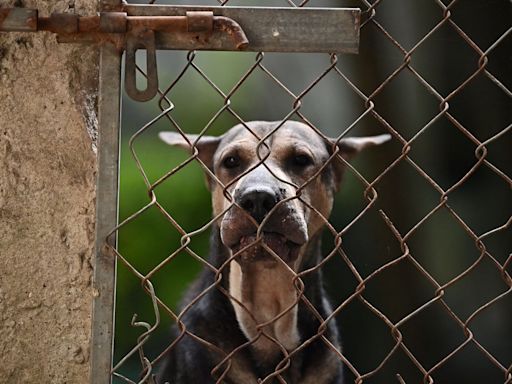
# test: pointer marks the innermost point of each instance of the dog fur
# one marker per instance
(268, 229)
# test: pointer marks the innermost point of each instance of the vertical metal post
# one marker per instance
(106, 214)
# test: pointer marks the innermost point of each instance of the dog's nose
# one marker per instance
(258, 202)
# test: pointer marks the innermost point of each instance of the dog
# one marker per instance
(272, 192)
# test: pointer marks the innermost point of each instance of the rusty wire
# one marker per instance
(371, 20)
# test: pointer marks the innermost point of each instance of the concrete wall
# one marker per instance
(47, 180)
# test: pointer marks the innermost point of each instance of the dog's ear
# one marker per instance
(206, 145)
(351, 146)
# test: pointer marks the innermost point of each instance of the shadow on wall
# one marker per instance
(442, 244)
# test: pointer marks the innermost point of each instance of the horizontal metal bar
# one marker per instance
(267, 29)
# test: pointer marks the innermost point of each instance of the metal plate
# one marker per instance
(268, 29)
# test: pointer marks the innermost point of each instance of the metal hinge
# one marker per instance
(195, 28)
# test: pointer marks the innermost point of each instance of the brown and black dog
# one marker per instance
(269, 231)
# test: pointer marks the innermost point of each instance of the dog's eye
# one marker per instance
(302, 160)
(231, 162)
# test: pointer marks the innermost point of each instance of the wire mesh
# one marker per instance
(459, 342)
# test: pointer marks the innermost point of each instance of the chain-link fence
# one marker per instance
(416, 251)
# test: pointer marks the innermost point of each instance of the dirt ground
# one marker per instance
(47, 177)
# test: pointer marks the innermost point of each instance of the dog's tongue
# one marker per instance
(277, 243)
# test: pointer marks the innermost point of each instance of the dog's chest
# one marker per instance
(265, 300)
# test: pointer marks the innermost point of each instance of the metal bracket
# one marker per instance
(136, 27)
(136, 40)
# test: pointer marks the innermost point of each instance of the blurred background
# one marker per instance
(442, 245)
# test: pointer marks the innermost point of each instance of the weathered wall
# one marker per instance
(47, 177)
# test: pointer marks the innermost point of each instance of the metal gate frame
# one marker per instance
(344, 37)
(104, 275)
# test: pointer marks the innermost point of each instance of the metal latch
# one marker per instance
(126, 32)
(256, 29)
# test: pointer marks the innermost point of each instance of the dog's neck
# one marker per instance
(261, 295)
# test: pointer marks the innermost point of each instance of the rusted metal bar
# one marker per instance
(205, 28)
(72, 27)
(61, 23)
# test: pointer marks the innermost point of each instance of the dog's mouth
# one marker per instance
(250, 248)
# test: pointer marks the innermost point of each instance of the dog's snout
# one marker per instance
(258, 202)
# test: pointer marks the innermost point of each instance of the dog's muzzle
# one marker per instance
(261, 202)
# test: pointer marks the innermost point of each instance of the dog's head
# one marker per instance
(271, 196)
